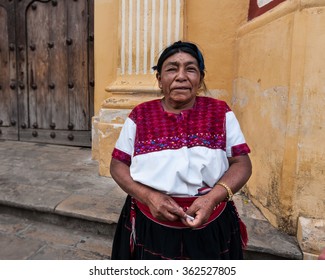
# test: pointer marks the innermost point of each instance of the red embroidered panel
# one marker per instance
(203, 125)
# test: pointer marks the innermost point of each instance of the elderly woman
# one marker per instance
(180, 159)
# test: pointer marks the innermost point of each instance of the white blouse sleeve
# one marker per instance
(125, 142)
(234, 135)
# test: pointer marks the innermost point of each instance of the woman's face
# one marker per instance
(180, 79)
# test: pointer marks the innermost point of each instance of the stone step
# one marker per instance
(28, 235)
(64, 221)
(265, 241)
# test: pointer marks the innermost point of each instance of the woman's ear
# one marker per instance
(159, 80)
(202, 79)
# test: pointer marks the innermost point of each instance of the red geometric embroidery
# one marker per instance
(121, 156)
(241, 149)
(202, 125)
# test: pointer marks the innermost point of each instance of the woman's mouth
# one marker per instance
(181, 88)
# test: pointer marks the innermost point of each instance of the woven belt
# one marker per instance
(185, 203)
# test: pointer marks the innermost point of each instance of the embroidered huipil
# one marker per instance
(180, 153)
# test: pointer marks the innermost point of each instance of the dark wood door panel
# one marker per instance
(8, 82)
(78, 65)
(49, 95)
(38, 65)
(47, 66)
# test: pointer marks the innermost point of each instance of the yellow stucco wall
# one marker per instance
(106, 60)
(261, 95)
(310, 195)
(106, 49)
(213, 26)
(279, 92)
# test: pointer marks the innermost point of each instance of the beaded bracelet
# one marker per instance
(230, 193)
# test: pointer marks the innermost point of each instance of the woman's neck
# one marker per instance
(176, 108)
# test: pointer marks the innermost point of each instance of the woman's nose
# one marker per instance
(181, 74)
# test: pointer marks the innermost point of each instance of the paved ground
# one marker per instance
(54, 205)
(25, 239)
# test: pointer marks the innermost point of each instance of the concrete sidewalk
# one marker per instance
(61, 184)
(57, 179)
(53, 203)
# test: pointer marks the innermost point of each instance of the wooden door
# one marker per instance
(54, 71)
(8, 87)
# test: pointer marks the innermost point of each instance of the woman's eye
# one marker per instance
(192, 69)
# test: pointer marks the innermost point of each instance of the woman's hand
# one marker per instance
(201, 209)
(163, 207)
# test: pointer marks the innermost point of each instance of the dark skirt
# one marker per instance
(219, 240)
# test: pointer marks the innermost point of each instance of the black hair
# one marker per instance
(180, 46)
